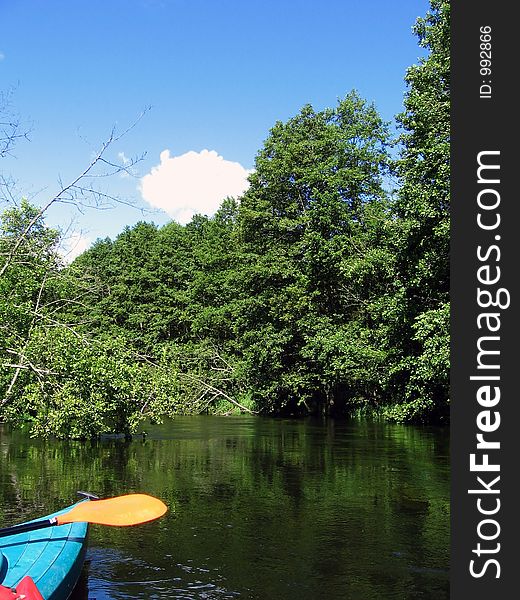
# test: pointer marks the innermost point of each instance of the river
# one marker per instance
(267, 509)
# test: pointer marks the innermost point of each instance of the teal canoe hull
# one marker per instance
(53, 557)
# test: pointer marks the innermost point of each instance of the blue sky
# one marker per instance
(217, 75)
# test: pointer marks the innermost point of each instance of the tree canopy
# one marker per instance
(319, 291)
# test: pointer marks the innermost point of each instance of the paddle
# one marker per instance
(121, 511)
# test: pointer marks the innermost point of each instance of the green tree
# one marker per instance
(28, 284)
(55, 375)
(418, 314)
(88, 387)
(316, 198)
(140, 283)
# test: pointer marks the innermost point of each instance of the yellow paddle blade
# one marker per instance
(131, 509)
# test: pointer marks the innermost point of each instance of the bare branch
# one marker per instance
(218, 392)
(72, 192)
(11, 129)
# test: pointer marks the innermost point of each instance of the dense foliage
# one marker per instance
(419, 318)
(318, 291)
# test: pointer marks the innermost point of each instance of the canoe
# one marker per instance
(52, 558)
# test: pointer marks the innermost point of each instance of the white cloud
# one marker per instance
(74, 245)
(124, 161)
(195, 182)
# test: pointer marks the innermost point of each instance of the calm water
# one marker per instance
(259, 508)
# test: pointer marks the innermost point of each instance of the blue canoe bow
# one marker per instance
(53, 557)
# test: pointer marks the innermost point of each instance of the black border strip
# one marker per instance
(485, 123)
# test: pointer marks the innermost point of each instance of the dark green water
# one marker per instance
(260, 508)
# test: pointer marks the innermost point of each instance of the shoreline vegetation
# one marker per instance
(319, 291)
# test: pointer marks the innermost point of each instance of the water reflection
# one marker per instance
(260, 508)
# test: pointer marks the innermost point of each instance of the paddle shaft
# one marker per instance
(28, 527)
